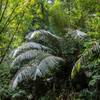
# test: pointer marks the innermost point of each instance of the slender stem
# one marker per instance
(9, 45)
(3, 10)
(0, 7)
(11, 39)
(8, 19)
(11, 20)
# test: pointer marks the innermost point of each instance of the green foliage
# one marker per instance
(4, 74)
(93, 25)
(70, 19)
(57, 19)
(85, 57)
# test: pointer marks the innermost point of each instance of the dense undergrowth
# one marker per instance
(65, 44)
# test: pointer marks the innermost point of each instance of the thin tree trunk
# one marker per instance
(3, 10)
(7, 21)
(9, 45)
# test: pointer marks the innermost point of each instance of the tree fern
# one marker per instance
(34, 59)
(41, 70)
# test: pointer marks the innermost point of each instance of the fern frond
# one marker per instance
(27, 56)
(41, 35)
(30, 46)
(22, 74)
(44, 69)
(49, 64)
(78, 34)
(86, 56)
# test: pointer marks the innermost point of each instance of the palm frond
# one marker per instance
(30, 46)
(86, 56)
(47, 67)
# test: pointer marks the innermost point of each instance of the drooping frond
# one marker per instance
(27, 56)
(22, 74)
(46, 38)
(41, 35)
(88, 54)
(43, 69)
(29, 46)
(48, 64)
